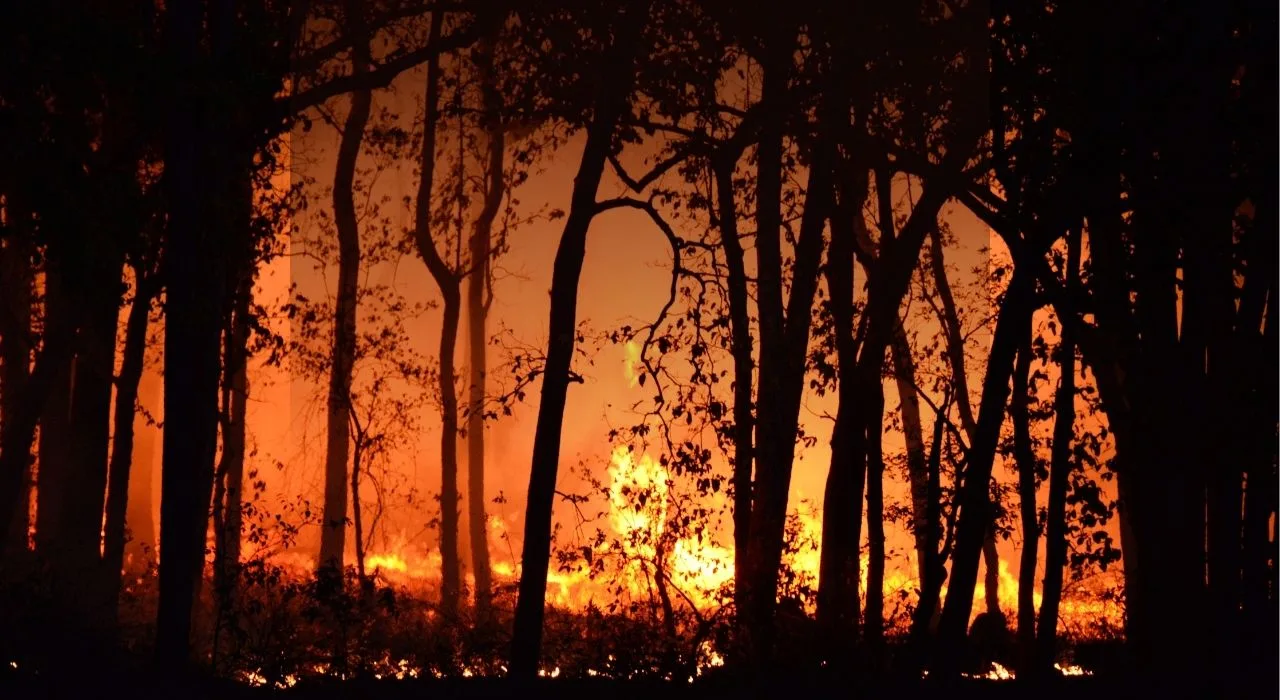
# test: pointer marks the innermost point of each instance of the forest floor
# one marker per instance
(71, 684)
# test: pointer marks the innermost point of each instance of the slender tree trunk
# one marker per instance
(617, 78)
(140, 511)
(935, 573)
(476, 342)
(18, 432)
(477, 312)
(839, 576)
(743, 368)
(904, 374)
(974, 496)
(991, 571)
(1025, 459)
(956, 356)
(782, 386)
(758, 562)
(953, 333)
(334, 531)
(875, 527)
(357, 515)
(1256, 336)
(1226, 447)
(887, 287)
(79, 578)
(448, 281)
(54, 450)
(451, 569)
(1055, 546)
(231, 468)
(1260, 493)
(122, 442)
(16, 288)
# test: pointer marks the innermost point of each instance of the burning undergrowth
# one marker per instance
(641, 589)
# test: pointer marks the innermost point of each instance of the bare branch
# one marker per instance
(381, 75)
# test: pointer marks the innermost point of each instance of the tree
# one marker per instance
(612, 91)
(132, 365)
(17, 279)
(784, 333)
(448, 281)
(333, 534)
(1026, 464)
(1055, 548)
(193, 295)
(478, 279)
(216, 124)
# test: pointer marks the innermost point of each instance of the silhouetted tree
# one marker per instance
(478, 282)
(333, 535)
(448, 280)
(1055, 547)
(17, 280)
(1027, 467)
(145, 287)
(614, 76)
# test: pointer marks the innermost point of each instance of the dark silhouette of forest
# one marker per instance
(1122, 154)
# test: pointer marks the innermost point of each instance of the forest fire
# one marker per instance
(947, 334)
(698, 570)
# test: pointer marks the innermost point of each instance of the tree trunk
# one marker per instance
(231, 468)
(1260, 494)
(477, 312)
(1256, 339)
(1025, 459)
(888, 285)
(757, 561)
(743, 369)
(782, 387)
(451, 574)
(16, 288)
(54, 465)
(953, 332)
(122, 443)
(1055, 544)
(140, 511)
(334, 531)
(357, 515)
(81, 530)
(193, 311)
(935, 573)
(616, 80)
(956, 356)
(874, 618)
(34, 397)
(448, 282)
(75, 558)
(974, 495)
(991, 571)
(904, 374)
(839, 572)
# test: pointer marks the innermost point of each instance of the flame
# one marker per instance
(997, 672)
(639, 500)
(638, 495)
(708, 657)
(641, 497)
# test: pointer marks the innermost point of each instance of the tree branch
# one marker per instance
(381, 75)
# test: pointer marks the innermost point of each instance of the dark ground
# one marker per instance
(76, 683)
